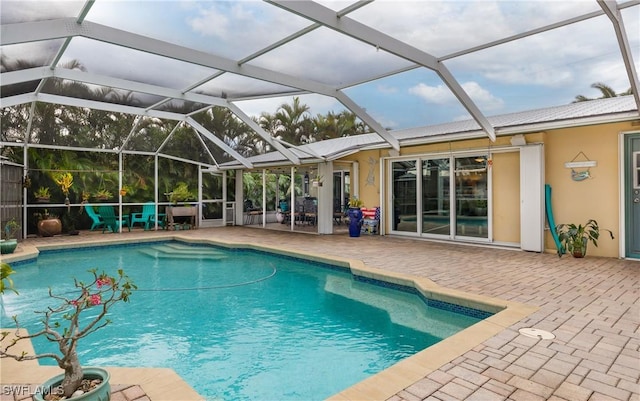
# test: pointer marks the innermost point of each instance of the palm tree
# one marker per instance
(338, 125)
(606, 91)
(293, 122)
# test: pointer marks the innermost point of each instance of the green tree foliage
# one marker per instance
(605, 90)
(109, 132)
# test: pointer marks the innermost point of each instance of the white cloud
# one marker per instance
(559, 59)
(433, 94)
(238, 29)
(442, 95)
(318, 104)
(482, 97)
(211, 22)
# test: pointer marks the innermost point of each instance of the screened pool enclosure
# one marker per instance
(250, 102)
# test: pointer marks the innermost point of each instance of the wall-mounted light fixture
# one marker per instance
(518, 140)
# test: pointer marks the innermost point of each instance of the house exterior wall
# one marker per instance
(573, 201)
(594, 198)
(506, 203)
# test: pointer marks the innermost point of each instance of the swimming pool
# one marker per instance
(240, 324)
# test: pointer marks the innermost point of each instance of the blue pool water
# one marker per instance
(238, 325)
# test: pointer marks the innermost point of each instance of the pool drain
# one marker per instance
(537, 333)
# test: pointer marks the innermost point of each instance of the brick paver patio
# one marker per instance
(591, 305)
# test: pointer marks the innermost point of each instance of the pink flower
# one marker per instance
(95, 299)
(103, 281)
(74, 302)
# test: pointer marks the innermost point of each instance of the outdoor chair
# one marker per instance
(310, 209)
(96, 219)
(111, 221)
(252, 212)
(148, 216)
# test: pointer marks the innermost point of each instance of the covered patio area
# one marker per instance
(591, 306)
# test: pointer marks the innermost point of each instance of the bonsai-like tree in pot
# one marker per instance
(102, 292)
(9, 243)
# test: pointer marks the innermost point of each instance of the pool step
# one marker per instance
(167, 252)
(186, 249)
(412, 316)
(178, 245)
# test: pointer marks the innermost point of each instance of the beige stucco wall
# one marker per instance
(573, 202)
(369, 163)
(594, 198)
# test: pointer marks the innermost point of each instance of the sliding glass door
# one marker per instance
(471, 196)
(432, 203)
(436, 216)
(404, 199)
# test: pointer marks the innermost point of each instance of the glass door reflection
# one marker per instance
(471, 196)
(405, 204)
(436, 207)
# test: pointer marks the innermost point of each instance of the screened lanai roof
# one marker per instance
(622, 108)
(397, 65)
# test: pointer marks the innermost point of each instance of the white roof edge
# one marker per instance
(569, 123)
(524, 128)
(503, 129)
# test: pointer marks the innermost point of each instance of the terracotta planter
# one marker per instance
(49, 227)
(101, 393)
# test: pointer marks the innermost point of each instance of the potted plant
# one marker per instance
(181, 194)
(355, 203)
(65, 325)
(355, 216)
(9, 243)
(574, 238)
(316, 181)
(65, 181)
(48, 224)
(103, 195)
(42, 194)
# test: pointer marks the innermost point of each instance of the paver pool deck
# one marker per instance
(591, 305)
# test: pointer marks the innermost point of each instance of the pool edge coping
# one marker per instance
(379, 386)
(408, 371)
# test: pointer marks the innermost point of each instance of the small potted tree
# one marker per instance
(9, 243)
(574, 238)
(66, 324)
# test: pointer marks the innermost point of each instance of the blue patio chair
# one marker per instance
(96, 219)
(148, 216)
(111, 221)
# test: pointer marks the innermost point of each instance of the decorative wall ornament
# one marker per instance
(371, 175)
(575, 163)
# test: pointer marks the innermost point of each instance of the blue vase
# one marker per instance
(101, 393)
(355, 221)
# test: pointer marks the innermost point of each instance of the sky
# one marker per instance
(543, 70)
